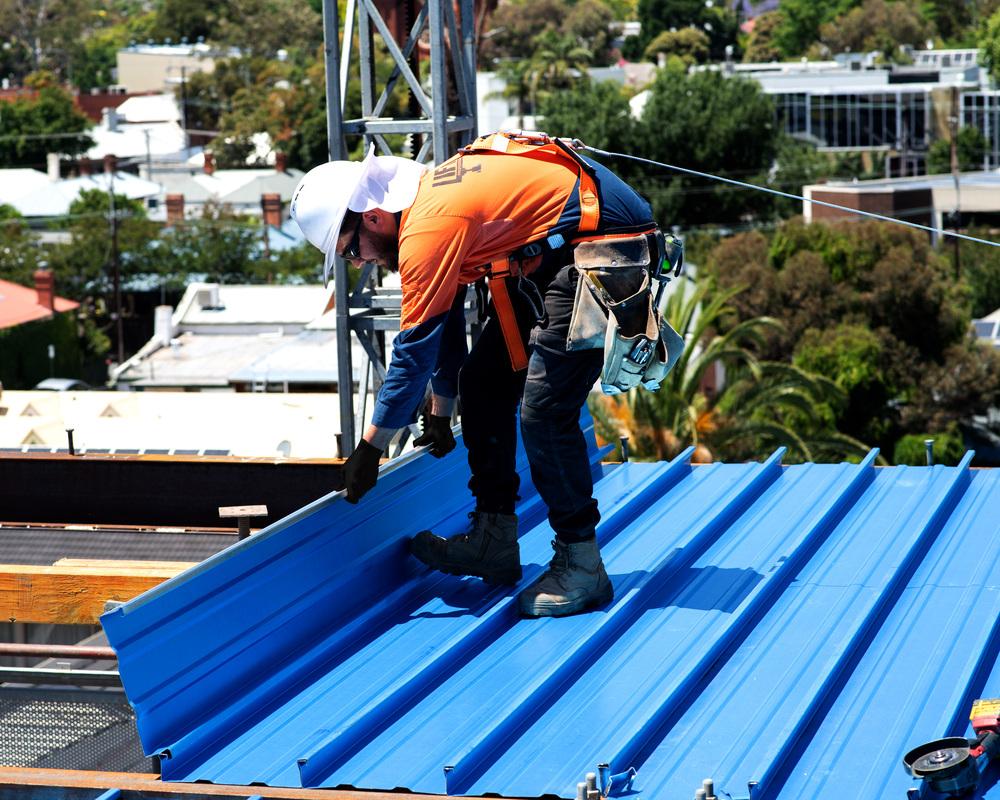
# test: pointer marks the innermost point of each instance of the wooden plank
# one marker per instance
(230, 512)
(112, 564)
(72, 594)
(132, 783)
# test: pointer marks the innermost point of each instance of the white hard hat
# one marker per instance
(326, 192)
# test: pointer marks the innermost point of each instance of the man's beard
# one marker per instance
(387, 246)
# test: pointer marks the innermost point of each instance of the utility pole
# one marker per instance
(116, 271)
(184, 102)
(957, 213)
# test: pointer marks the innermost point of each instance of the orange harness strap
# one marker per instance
(500, 275)
(502, 270)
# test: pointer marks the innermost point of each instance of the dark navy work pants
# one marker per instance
(550, 394)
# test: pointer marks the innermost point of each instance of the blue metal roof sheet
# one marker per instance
(799, 627)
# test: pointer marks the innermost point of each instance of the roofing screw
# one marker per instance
(912, 794)
(242, 515)
(592, 792)
(751, 785)
(700, 795)
(709, 786)
(604, 770)
(929, 444)
(581, 791)
(69, 436)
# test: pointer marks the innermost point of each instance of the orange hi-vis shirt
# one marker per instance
(471, 210)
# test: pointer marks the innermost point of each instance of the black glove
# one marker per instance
(437, 433)
(361, 471)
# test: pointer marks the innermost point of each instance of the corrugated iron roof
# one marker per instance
(43, 545)
(800, 627)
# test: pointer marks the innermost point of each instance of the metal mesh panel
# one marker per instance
(69, 729)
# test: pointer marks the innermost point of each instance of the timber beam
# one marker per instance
(55, 784)
(74, 591)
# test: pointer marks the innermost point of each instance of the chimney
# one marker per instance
(111, 163)
(281, 162)
(84, 166)
(52, 166)
(209, 163)
(270, 203)
(175, 208)
(109, 118)
(45, 286)
(163, 328)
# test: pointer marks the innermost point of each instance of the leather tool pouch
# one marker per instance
(613, 274)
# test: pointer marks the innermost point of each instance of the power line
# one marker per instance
(580, 145)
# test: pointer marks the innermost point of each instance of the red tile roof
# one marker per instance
(19, 304)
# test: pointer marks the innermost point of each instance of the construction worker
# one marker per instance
(510, 210)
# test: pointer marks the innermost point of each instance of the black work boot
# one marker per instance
(575, 581)
(488, 550)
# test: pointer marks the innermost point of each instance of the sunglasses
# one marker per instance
(352, 251)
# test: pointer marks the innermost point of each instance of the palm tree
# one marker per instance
(782, 405)
(763, 405)
(559, 62)
(518, 80)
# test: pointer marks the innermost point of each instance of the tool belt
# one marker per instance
(616, 308)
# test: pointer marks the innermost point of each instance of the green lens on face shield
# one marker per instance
(673, 260)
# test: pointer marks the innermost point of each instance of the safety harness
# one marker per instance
(631, 260)
(508, 273)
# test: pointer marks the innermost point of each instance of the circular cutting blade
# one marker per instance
(938, 761)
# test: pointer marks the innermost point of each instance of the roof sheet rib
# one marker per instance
(799, 627)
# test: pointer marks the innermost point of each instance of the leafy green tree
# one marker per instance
(981, 270)
(188, 19)
(558, 64)
(965, 381)
(716, 20)
(32, 127)
(710, 123)
(20, 252)
(850, 356)
(989, 44)
(862, 283)
(658, 16)
(800, 23)
(971, 148)
(83, 266)
(588, 23)
(688, 44)
(513, 27)
(262, 27)
(954, 20)
(761, 44)
(220, 246)
(95, 56)
(598, 113)
(878, 25)
(44, 31)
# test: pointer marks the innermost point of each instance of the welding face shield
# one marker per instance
(615, 308)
